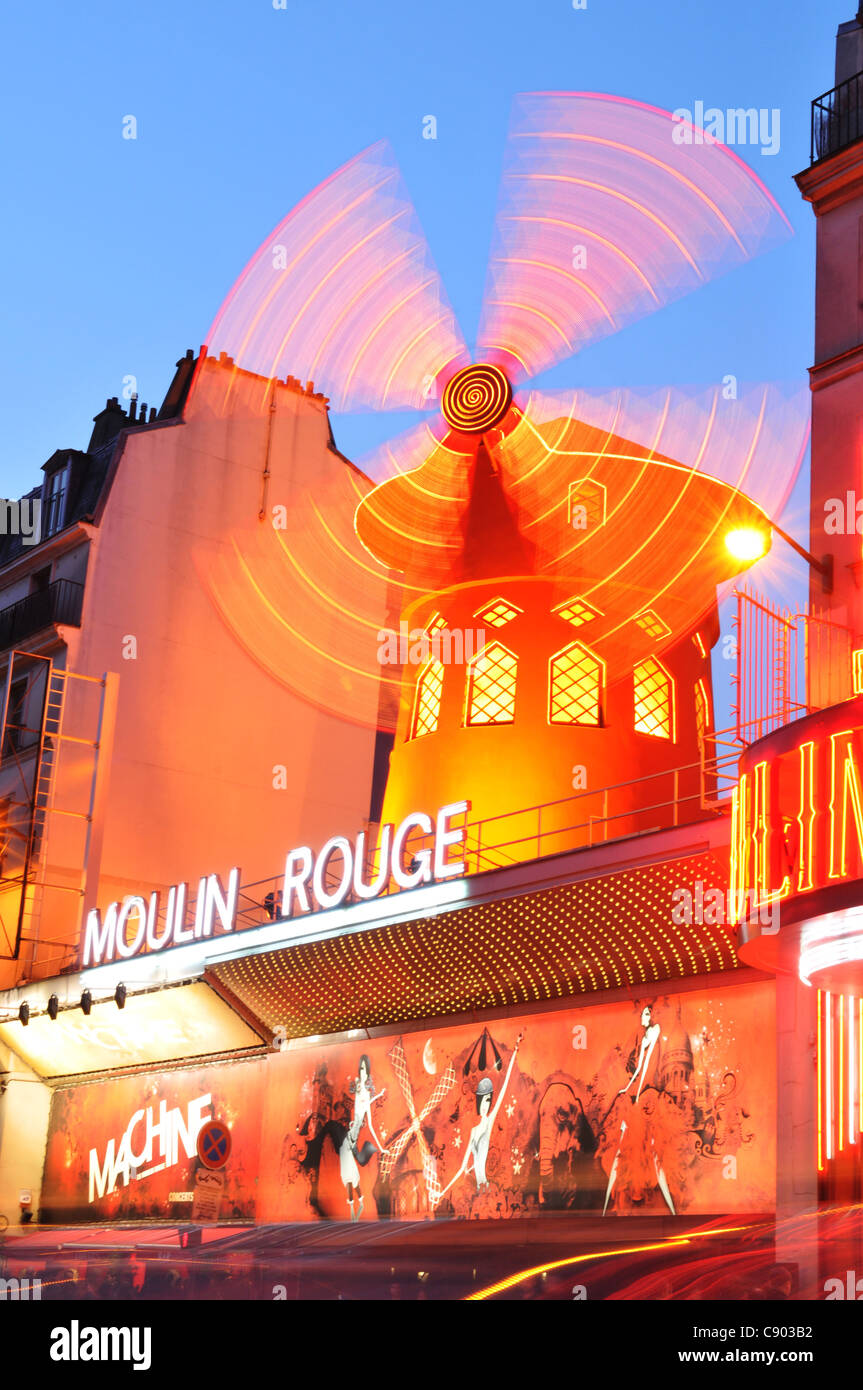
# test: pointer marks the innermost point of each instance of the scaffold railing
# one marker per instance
(586, 819)
(790, 663)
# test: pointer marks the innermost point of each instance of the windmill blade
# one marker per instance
(344, 293)
(311, 601)
(412, 521)
(309, 604)
(754, 442)
(609, 209)
(661, 477)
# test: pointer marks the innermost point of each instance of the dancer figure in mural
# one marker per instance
(643, 1136)
(480, 1135)
(351, 1156)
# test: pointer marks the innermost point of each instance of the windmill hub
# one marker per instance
(476, 398)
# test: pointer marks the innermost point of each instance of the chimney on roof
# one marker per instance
(849, 48)
(133, 409)
(106, 425)
(175, 399)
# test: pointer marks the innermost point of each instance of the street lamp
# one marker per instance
(749, 543)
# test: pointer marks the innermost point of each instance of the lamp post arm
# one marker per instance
(824, 567)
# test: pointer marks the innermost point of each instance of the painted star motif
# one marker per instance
(457, 1139)
(516, 1167)
(510, 1109)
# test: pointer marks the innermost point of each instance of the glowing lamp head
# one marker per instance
(476, 399)
(747, 543)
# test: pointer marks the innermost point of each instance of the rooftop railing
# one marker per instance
(837, 118)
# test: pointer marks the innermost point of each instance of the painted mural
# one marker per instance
(664, 1104)
(126, 1149)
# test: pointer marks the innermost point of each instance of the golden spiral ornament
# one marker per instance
(476, 399)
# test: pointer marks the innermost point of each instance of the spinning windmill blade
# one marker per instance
(609, 210)
(606, 214)
(344, 293)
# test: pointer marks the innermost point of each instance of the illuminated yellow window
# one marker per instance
(577, 611)
(702, 710)
(427, 699)
(857, 672)
(491, 681)
(575, 687)
(586, 505)
(652, 624)
(498, 613)
(654, 699)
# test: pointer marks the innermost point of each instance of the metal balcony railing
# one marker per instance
(60, 602)
(837, 118)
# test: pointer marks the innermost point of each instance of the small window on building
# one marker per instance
(651, 623)
(55, 501)
(18, 736)
(702, 711)
(586, 505)
(577, 611)
(575, 687)
(498, 613)
(427, 699)
(491, 683)
(654, 699)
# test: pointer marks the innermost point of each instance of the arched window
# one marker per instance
(491, 681)
(586, 505)
(575, 687)
(702, 710)
(654, 699)
(427, 698)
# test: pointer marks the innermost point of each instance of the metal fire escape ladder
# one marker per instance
(51, 734)
(75, 764)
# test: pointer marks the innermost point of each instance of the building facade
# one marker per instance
(549, 942)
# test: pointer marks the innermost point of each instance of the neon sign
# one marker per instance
(312, 883)
(797, 816)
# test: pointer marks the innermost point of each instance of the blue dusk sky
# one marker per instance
(119, 252)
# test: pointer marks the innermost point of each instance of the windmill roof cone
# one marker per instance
(493, 544)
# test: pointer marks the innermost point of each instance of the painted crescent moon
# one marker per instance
(429, 1061)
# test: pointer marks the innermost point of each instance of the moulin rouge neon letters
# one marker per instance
(797, 819)
(311, 883)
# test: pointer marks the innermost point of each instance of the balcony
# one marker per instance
(60, 602)
(837, 118)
